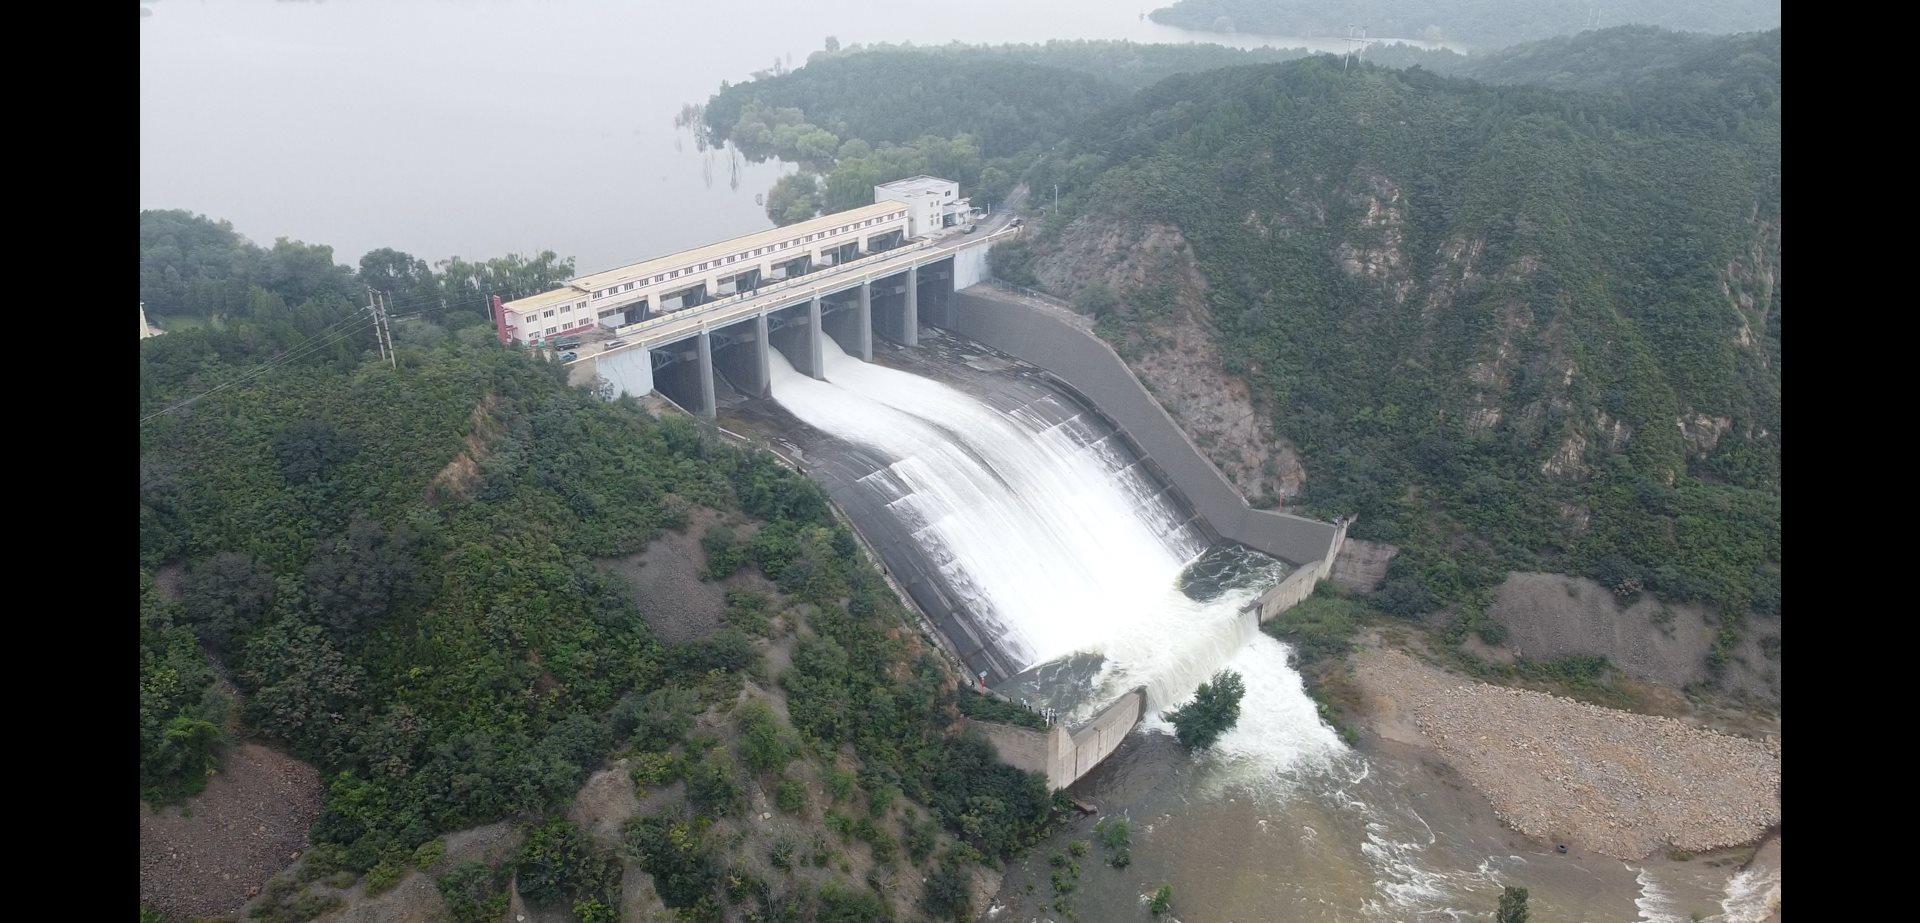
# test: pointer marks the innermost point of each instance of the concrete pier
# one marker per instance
(816, 340)
(709, 408)
(864, 323)
(761, 345)
(910, 330)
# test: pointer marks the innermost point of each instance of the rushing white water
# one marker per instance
(1655, 904)
(1751, 896)
(1056, 545)
(1059, 547)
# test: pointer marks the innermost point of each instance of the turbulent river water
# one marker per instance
(1092, 582)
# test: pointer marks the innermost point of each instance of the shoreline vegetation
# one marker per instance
(398, 567)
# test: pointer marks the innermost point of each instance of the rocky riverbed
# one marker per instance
(1625, 785)
(1617, 783)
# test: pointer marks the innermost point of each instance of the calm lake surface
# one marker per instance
(481, 127)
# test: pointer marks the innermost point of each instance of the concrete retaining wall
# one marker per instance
(629, 371)
(1093, 741)
(1060, 342)
(970, 266)
(1064, 755)
(1301, 583)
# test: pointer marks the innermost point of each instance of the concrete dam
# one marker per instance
(1028, 494)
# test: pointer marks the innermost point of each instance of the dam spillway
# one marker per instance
(1058, 548)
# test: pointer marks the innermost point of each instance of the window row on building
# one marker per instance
(744, 255)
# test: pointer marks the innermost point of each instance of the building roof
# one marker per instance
(918, 184)
(584, 285)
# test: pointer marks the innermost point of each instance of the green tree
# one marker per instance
(1162, 900)
(559, 865)
(181, 710)
(1513, 905)
(475, 892)
(1214, 710)
(225, 597)
(764, 744)
(794, 198)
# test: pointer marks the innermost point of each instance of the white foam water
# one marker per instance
(1752, 895)
(1057, 546)
(1654, 902)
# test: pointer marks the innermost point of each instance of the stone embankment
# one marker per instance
(1622, 784)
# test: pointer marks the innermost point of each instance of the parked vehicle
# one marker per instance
(568, 343)
(1016, 222)
(569, 356)
(967, 230)
(610, 344)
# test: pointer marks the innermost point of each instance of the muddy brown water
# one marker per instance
(1383, 833)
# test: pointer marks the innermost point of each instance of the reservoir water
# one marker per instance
(482, 127)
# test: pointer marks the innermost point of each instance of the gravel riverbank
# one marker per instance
(1618, 783)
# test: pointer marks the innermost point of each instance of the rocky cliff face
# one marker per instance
(1510, 329)
(1146, 273)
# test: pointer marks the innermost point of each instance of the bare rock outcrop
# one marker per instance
(1548, 616)
(1152, 271)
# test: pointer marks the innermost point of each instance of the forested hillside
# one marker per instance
(1479, 25)
(862, 116)
(194, 270)
(1641, 65)
(397, 570)
(1511, 329)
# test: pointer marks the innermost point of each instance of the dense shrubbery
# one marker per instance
(559, 866)
(674, 851)
(182, 713)
(475, 892)
(1319, 627)
(988, 708)
(436, 637)
(196, 272)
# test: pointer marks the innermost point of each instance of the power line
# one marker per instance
(307, 349)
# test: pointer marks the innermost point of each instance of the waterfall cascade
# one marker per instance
(1058, 545)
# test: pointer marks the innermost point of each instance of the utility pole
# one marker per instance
(386, 330)
(377, 305)
(373, 307)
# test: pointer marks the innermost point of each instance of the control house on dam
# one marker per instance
(687, 323)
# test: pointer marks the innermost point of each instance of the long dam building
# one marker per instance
(692, 325)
